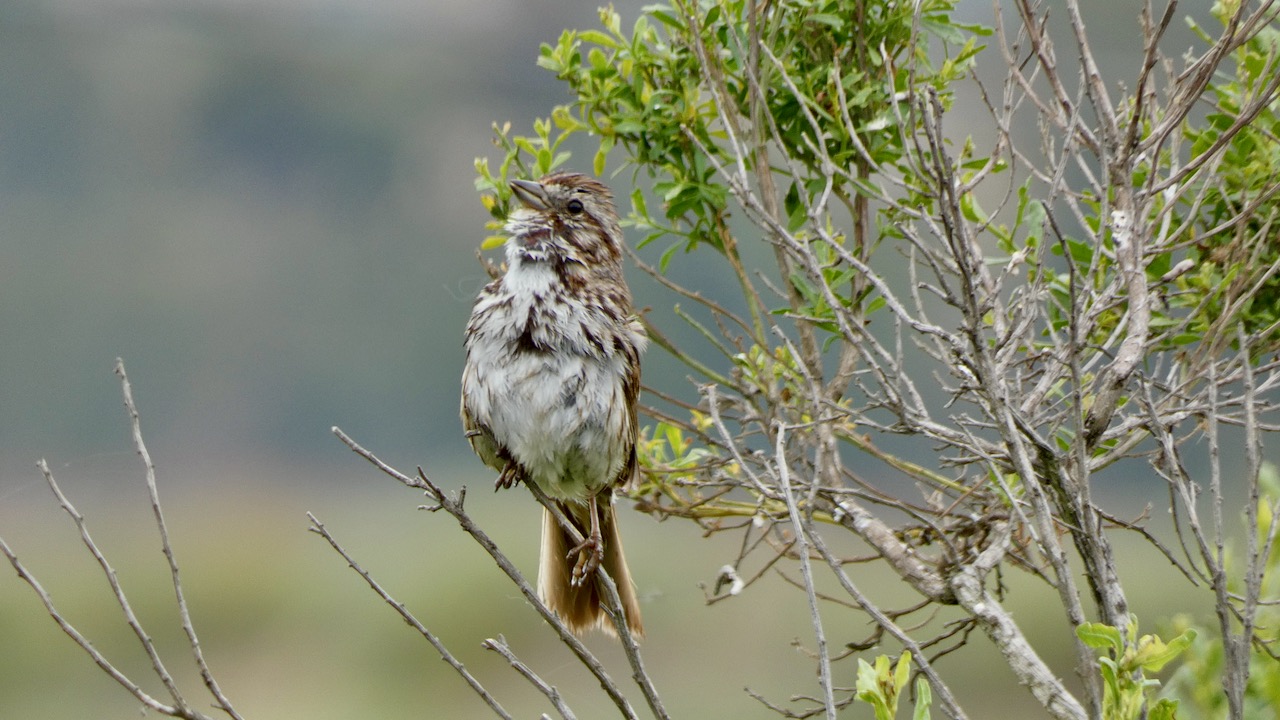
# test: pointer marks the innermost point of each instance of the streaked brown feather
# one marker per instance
(562, 304)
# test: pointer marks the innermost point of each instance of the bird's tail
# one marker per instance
(581, 607)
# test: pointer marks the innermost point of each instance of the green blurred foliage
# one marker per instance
(641, 91)
(1238, 265)
(254, 207)
(1124, 660)
(291, 632)
(880, 685)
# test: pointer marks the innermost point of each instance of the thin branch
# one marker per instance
(98, 658)
(153, 492)
(949, 703)
(552, 694)
(455, 509)
(613, 605)
(131, 618)
(318, 528)
(802, 530)
(180, 707)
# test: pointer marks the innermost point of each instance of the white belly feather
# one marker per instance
(561, 413)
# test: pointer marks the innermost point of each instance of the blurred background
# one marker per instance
(266, 208)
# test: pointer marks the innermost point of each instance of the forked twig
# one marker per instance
(613, 606)
(803, 530)
(455, 509)
(318, 528)
(153, 492)
(180, 707)
(553, 695)
(98, 658)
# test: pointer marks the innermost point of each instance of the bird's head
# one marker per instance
(563, 217)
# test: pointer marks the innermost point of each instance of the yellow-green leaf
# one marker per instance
(597, 163)
(903, 672)
(1098, 635)
(597, 37)
(1153, 654)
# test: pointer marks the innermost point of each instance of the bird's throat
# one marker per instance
(535, 237)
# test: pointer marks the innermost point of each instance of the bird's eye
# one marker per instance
(574, 206)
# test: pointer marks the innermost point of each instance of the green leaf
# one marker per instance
(1153, 654)
(971, 210)
(597, 59)
(1034, 218)
(629, 127)
(597, 37)
(650, 238)
(924, 698)
(1081, 252)
(666, 257)
(565, 120)
(673, 436)
(597, 163)
(1107, 668)
(1097, 635)
(903, 672)
(611, 20)
(802, 284)
(870, 689)
(832, 21)
(638, 205)
(1164, 709)
(659, 12)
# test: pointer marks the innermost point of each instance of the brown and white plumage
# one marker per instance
(551, 381)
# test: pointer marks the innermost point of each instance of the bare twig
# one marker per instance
(801, 526)
(153, 492)
(98, 658)
(180, 708)
(318, 528)
(553, 695)
(454, 508)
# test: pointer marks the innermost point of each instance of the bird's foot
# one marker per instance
(508, 478)
(589, 555)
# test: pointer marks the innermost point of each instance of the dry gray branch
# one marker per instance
(180, 707)
(318, 528)
(553, 695)
(453, 506)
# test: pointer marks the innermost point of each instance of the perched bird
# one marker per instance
(551, 381)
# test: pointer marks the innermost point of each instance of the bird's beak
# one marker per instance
(531, 194)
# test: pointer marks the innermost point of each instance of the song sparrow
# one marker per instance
(551, 380)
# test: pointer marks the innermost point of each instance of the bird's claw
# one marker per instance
(508, 478)
(590, 553)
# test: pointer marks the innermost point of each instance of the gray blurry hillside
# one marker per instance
(266, 208)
